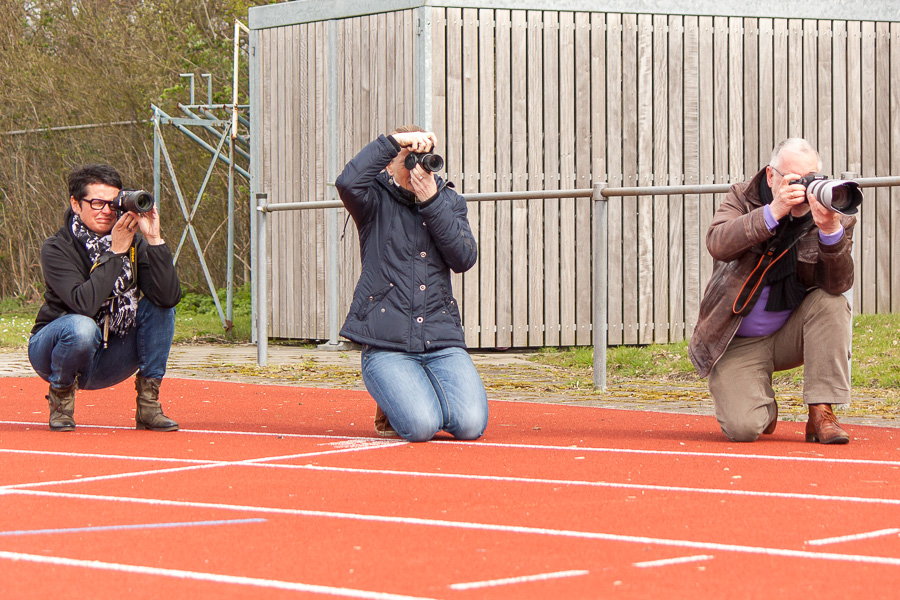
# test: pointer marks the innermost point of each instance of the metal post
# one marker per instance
(600, 285)
(423, 65)
(262, 282)
(332, 217)
(849, 294)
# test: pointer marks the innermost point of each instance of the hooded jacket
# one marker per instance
(736, 239)
(73, 288)
(403, 300)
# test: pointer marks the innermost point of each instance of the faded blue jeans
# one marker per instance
(70, 347)
(424, 393)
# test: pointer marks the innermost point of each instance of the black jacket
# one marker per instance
(403, 300)
(72, 288)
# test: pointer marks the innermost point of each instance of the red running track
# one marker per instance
(285, 492)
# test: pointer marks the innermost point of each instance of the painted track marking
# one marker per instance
(129, 527)
(673, 561)
(853, 537)
(511, 580)
(210, 577)
(734, 455)
(464, 525)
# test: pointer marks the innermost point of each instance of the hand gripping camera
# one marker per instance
(837, 196)
(430, 162)
(138, 201)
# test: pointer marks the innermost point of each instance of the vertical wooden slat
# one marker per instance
(823, 95)
(487, 247)
(854, 138)
(882, 167)
(810, 83)
(839, 97)
(503, 179)
(895, 167)
(598, 127)
(454, 138)
(647, 123)
(795, 78)
(766, 89)
(583, 152)
(318, 216)
(439, 78)
(519, 134)
(692, 235)
(707, 139)
(550, 221)
(566, 294)
(868, 213)
(735, 104)
(780, 86)
(535, 141)
(614, 139)
(676, 169)
(751, 96)
(629, 248)
(471, 286)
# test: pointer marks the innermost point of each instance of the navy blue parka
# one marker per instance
(403, 300)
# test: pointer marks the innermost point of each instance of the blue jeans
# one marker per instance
(70, 347)
(423, 393)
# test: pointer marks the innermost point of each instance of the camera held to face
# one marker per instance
(837, 196)
(430, 162)
(138, 201)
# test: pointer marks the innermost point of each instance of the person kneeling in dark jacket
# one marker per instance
(413, 230)
(111, 289)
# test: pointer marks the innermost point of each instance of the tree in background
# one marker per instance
(102, 63)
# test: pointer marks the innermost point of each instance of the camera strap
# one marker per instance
(752, 286)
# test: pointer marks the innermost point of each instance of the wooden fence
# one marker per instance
(532, 100)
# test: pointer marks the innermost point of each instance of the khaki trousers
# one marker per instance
(817, 335)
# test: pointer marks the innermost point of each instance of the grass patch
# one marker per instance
(874, 364)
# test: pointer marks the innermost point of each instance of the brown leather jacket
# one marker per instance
(736, 239)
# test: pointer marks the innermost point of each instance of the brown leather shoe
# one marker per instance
(823, 426)
(382, 425)
(770, 428)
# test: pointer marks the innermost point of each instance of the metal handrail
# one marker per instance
(599, 193)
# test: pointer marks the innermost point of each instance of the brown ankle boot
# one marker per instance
(382, 425)
(149, 414)
(62, 408)
(823, 426)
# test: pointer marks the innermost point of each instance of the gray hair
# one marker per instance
(798, 145)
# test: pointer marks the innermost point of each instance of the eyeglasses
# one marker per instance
(771, 166)
(98, 204)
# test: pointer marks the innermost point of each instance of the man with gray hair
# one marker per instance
(774, 301)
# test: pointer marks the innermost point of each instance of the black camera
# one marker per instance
(430, 162)
(138, 201)
(836, 195)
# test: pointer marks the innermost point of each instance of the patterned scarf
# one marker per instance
(121, 306)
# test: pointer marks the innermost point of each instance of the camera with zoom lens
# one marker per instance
(138, 201)
(836, 195)
(430, 162)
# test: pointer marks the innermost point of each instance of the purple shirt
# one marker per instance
(759, 321)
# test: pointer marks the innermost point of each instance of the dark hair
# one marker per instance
(82, 177)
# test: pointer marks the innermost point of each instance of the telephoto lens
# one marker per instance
(138, 201)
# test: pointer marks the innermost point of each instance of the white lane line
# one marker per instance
(672, 561)
(106, 456)
(464, 525)
(210, 577)
(599, 484)
(479, 443)
(207, 465)
(129, 527)
(852, 538)
(510, 580)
